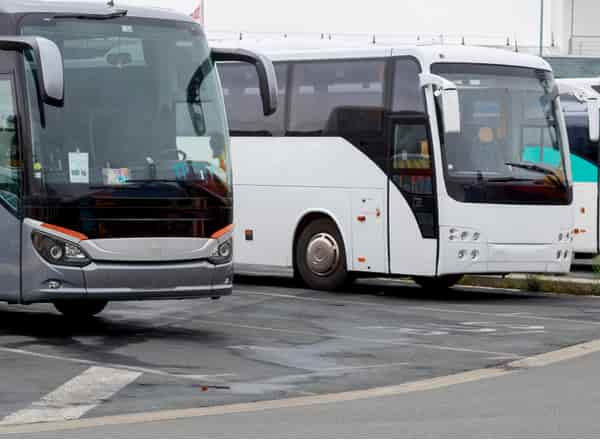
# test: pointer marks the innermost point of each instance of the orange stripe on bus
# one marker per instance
(222, 232)
(69, 232)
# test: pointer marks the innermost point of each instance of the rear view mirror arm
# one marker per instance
(264, 69)
(447, 92)
(48, 59)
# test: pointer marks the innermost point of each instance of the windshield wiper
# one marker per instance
(538, 168)
(507, 179)
(92, 16)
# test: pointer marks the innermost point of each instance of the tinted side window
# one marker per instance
(243, 101)
(9, 154)
(579, 141)
(326, 95)
(576, 117)
(408, 96)
(412, 172)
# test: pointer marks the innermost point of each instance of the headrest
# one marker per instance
(486, 135)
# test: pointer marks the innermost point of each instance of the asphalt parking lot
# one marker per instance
(271, 340)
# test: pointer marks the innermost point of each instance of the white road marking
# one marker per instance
(117, 366)
(519, 315)
(76, 397)
(410, 387)
(359, 339)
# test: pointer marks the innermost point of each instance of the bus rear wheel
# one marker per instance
(320, 256)
(438, 283)
(80, 309)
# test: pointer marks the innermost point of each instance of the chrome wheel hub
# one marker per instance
(322, 254)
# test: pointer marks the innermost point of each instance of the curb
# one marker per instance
(537, 283)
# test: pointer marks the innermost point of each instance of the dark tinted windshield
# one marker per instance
(143, 120)
(510, 148)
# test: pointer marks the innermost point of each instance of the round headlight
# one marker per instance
(476, 236)
(225, 250)
(464, 236)
(462, 254)
(56, 252)
(560, 237)
(474, 254)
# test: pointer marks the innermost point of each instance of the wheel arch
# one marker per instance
(314, 214)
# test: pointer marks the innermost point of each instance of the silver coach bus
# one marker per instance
(115, 177)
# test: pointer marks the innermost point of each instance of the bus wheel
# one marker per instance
(438, 283)
(80, 309)
(320, 256)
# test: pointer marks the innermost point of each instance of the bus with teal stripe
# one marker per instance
(579, 98)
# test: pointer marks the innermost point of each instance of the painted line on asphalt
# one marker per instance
(116, 366)
(75, 398)
(348, 396)
(517, 315)
(402, 343)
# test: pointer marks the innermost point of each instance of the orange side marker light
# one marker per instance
(362, 260)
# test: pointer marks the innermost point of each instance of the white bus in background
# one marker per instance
(580, 98)
(426, 161)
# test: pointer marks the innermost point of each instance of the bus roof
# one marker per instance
(18, 7)
(298, 50)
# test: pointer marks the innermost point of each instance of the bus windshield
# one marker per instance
(142, 140)
(510, 148)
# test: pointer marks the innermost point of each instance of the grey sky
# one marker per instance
(504, 18)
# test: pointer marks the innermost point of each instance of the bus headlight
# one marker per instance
(59, 252)
(223, 254)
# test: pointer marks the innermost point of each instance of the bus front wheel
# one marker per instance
(438, 283)
(80, 309)
(320, 256)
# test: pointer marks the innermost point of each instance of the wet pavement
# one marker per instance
(272, 339)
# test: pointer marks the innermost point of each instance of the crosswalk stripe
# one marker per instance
(76, 397)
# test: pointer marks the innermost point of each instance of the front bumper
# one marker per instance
(500, 258)
(131, 282)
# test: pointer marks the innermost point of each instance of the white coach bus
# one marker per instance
(427, 161)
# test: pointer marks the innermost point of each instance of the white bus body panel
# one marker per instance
(309, 180)
(585, 196)
(513, 238)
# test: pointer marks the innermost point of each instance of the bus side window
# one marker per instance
(408, 96)
(321, 87)
(341, 99)
(412, 172)
(243, 101)
(10, 167)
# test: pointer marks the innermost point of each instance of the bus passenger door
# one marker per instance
(413, 228)
(10, 172)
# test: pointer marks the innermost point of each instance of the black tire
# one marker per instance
(438, 283)
(80, 309)
(321, 242)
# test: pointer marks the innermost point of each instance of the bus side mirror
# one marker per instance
(49, 61)
(264, 69)
(447, 94)
(594, 119)
(450, 110)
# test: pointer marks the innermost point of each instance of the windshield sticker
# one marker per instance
(115, 176)
(37, 170)
(79, 167)
(128, 29)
